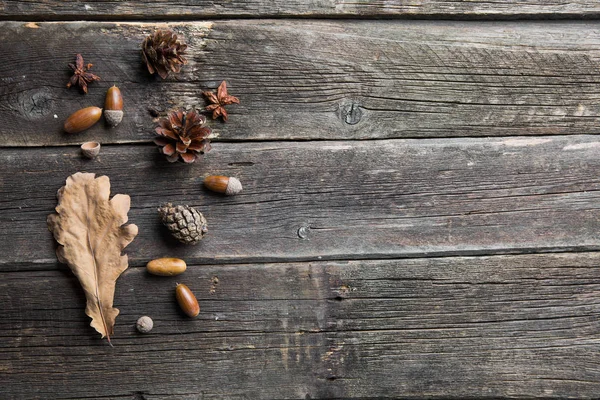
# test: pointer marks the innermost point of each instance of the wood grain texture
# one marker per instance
(522, 326)
(311, 79)
(136, 9)
(328, 200)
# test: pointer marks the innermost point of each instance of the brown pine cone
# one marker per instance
(185, 223)
(183, 135)
(162, 52)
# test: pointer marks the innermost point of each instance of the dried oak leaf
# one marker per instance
(89, 230)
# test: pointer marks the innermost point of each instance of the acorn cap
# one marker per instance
(234, 186)
(144, 324)
(113, 117)
(90, 149)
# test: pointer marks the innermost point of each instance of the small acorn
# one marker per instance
(113, 106)
(223, 184)
(82, 119)
(144, 324)
(186, 300)
(166, 266)
(90, 149)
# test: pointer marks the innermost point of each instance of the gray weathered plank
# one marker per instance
(105, 9)
(502, 326)
(329, 200)
(314, 79)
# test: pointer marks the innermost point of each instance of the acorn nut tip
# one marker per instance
(113, 106)
(223, 184)
(82, 119)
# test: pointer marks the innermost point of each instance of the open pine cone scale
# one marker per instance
(163, 52)
(183, 135)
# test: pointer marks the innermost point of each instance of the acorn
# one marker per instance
(82, 119)
(166, 266)
(187, 301)
(90, 149)
(223, 184)
(113, 106)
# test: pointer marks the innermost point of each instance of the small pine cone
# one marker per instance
(185, 223)
(182, 135)
(163, 52)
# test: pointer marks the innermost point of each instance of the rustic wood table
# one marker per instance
(420, 215)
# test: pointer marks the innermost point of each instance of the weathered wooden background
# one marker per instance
(420, 215)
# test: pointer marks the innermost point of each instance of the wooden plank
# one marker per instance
(103, 9)
(329, 200)
(503, 326)
(314, 79)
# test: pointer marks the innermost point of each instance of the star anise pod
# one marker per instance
(162, 52)
(81, 75)
(219, 100)
(183, 135)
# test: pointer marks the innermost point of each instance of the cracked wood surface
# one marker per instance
(186, 9)
(313, 79)
(329, 200)
(479, 327)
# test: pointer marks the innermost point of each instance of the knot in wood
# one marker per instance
(351, 113)
(34, 104)
(303, 232)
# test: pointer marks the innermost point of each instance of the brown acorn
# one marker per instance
(82, 119)
(113, 106)
(166, 266)
(223, 184)
(186, 300)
